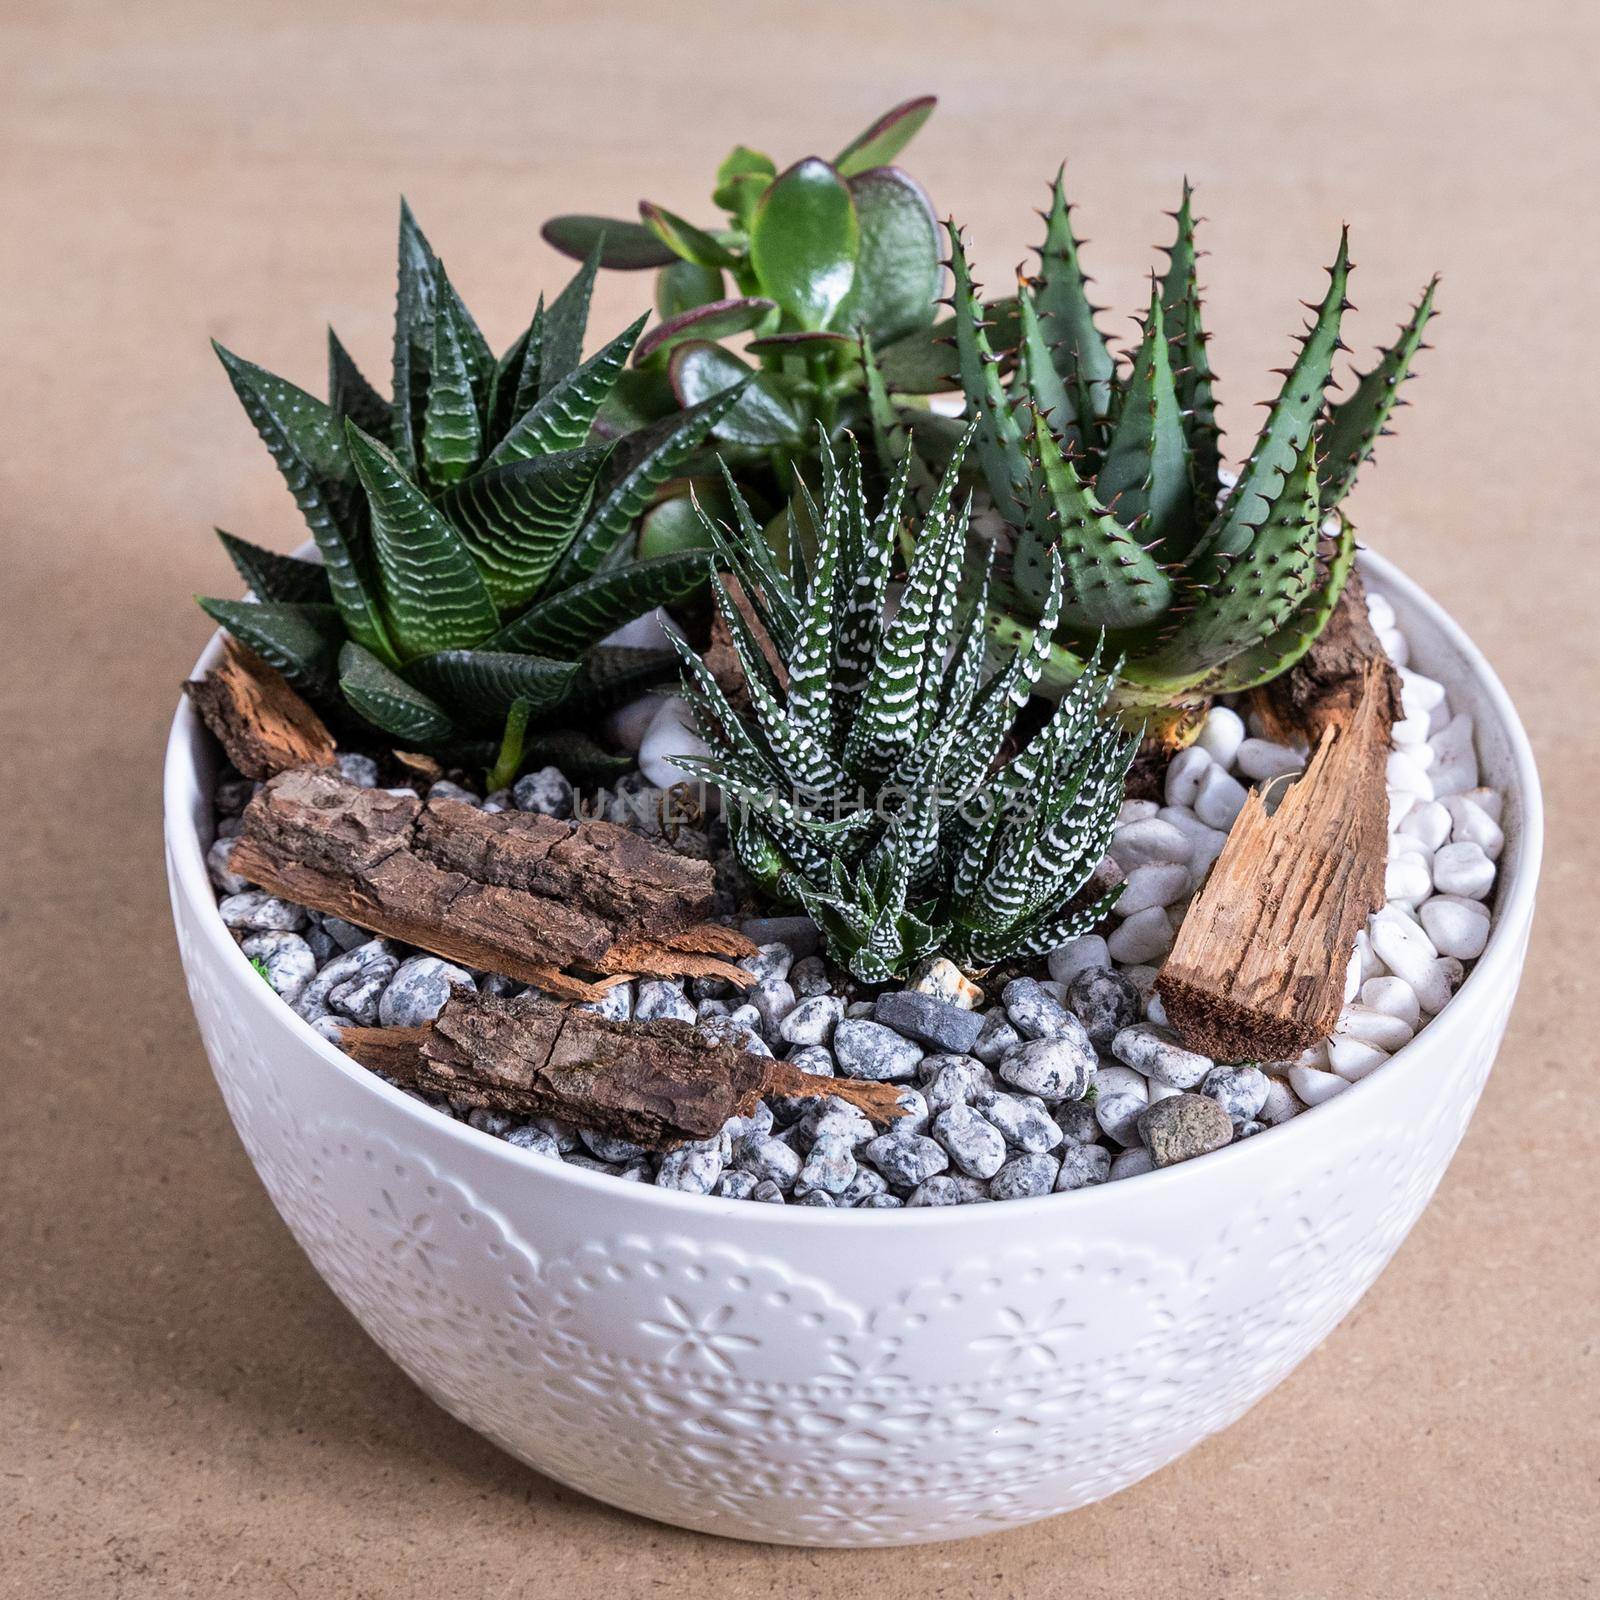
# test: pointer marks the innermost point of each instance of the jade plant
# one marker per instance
(1113, 473)
(473, 535)
(808, 263)
(867, 783)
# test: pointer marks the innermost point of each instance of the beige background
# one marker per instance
(184, 1409)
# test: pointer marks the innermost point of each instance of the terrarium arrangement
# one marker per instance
(706, 761)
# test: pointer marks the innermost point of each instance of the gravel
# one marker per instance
(1052, 1075)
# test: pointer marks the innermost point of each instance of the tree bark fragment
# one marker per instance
(1257, 973)
(262, 724)
(510, 892)
(655, 1083)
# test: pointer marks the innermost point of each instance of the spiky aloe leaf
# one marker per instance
(566, 409)
(565, 319)
(999, 436)
(307, 441)
(1250, 598)
(890, 436)
(1355, 424)
(811, 659)
(301, 640)
(653, 455)
(480, 686)
(925, 362)
(571, 620)
(1147, 480)
(881, 141)
(350, 395)
(273, 577)
(452, 428)
(387, 701)
(434, 597)
(1111, 580)
(1038, 381)
(1082, 356)
(415, 308)
(1290, 424)
(1181, 314)
(1278, 652)
(517, 520)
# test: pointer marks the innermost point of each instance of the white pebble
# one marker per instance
(1471, 824)
(670, 735)
(1429, 822)
(1394, 645)
(1262, 759)
(1352, 976)
(1402, 946)
(1378, 1028)
(1157, 884)
(1314, 1086)
(1490, 801)
(1412, 730)
(1407, 879)
(1151, 839)
(1405, 774)
(1220, 800)
(626, 726)
(1185, 773)
(1205, 844)
(1135, 811)
(1463, 869)
(1419, 694)
(1132, 1163)
(1394, 997)
(1145, 936)
(1457, 927)
(1121, 1097)
(1352, 1059)
(1455, 764)
(1221, 735)
(1401, 806)
(1070, 959)
(1154, 1011)
(1381, 612)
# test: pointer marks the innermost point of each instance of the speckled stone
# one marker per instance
(867, 1049)
(1184, 1126)
(1105, 1003)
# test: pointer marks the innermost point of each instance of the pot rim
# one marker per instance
(1513, 913)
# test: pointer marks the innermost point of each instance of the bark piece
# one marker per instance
(656, 1083)
(1257, 972)
(1325, 686)
(261, 722)
(511, 892)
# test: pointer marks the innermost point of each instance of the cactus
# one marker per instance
(469, 530)
(870, 789)
(1114, 474)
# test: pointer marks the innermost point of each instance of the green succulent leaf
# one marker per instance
(804, 241)
(433, 595)
(742, 179)
(677, 521)
(623, 246)
(1038, 380)
(926, 362)
(880, 142)
(569, 622)
(1355, 424)
(684, 238)
(350, 395)
(566, 319)
(763, 415)
(1180, 299)
(567, 409)
(307, 442)
(812, 342)
(518, 520)
(514, 385)
(301, 640)
(387, 701)
(1083, 358)
(1147, 478)
(685, 285)
(480, 686)
(718, 319)
(513, 746)
(415, 309)
(612, 674)
(273, 577)
(452, 430)
(897, 266)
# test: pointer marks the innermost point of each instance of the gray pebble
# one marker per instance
(495, 1123)
(287, 960)
(539, 1140)
(829, 1165)
(1157, 1054)
(692, 1168)
(816, 1197)
(1077, 1121)
(607, 1147)
(320, 942)
(871, 1051)
(1183, 1126)
(1248, 1130)
(834, 1118)
(957, 1081)
(661, 997)
(223, 878)
(615, 1005)
(770, 1159)
(800, 934)
(1240, 1091)
(1132, 1163)
(546, 791)
(331, 1028)
(1024, 1120)
(934, 1024)
(232, 795)
(863, 1187)
(948, 1191)
(811, 1022)
(360, 998)
(768, 1193)
(345, 934)
(418, 991)
(916, 1116)
(881, 1202)
(1120, 1099)
(771, 960)
(906, 1159)
(1025, 1176)
(995, 1037)
(446, 789)
(808, 977)
(1104, 1002)
(976, 1146)
(1059, 1068)
(1083, 1165)
(360, 770)
(1035, 1012)
(733, 1184)
(256, 911)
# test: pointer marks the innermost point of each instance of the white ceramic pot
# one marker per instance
(849, 1378)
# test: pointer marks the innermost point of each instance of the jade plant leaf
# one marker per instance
(717, 319)
(897, 266)
(741, 181)
(880, 142)
(685, 285)
(301, 641)
(480, 686)
(273, 577)
(804, 240)
(624, 246)
(684, 238)
(387, 701)
(924, 362)
(763, 415)
(434, 596)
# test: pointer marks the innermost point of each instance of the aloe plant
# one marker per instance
(809, 264)
(867, 782)
(1113, 473)
(473, 535)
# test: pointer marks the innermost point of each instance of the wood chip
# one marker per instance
(510, 892)
(1257, 973)
(655, 1083)
(265, 727)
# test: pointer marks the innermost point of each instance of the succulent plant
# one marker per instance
(811, 263)
(473, 537)
(1114, 472)
(866, 783)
